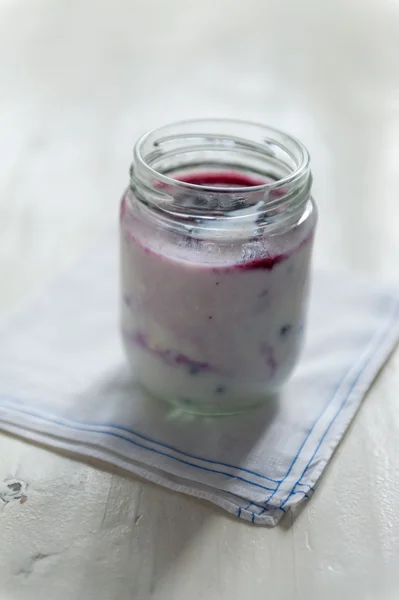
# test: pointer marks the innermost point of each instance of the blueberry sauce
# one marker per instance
(170, 357)
(222, 179)
(285, 330)
(220, 389)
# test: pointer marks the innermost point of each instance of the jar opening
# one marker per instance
(221, 168)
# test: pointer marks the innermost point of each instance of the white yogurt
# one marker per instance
(212, 329)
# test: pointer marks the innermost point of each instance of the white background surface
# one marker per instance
(79, 81)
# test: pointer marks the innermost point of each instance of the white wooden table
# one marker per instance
(79, 80)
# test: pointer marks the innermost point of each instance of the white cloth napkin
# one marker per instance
(64, 382)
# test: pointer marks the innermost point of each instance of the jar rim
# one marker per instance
(302, 157)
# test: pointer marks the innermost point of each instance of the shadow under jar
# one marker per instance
(217, 228)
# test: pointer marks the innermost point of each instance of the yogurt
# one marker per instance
(212, 326)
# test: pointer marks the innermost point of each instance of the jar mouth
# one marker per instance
(277, 159)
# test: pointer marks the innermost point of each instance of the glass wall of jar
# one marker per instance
(217, 228)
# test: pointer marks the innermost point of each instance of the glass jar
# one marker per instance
(217, 228)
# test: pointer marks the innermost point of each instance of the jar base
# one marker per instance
(205, 410)
(209, 409)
